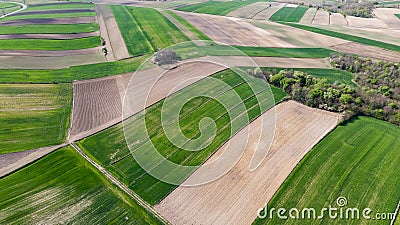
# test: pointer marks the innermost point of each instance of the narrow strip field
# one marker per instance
(358, 161)
(249, 11)
(46, 44)
(48, 16)
(189, 26)
(215, 7)
(64, 188)
(29, 111)
(235, 197)
(289, 14)
(36, 21)
(59, 6)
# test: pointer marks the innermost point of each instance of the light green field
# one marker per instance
(4, 5)
(109, 147)
(49, 44)
(59, 6)
(49, 16)
(64, 188)
(33, 115)
(215, 7)
(289, 14)
(50, 29)
(358, 161)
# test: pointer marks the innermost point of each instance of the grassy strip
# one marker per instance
(65, 187)
(70, 74)
(397, 15)
(358, 161)
(289, 14)
(215, 7)
(50, 29)
(49, 44)
(346, 36)
(33, 116)
(49, 16)
(59, 6)
(192, 28)
(4, 5)
(116, 157)
(135, 40)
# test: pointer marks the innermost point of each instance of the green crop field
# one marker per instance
(64, 188)
(215, 7)
(49, 44)
(33, 115)
(70, 74)
(346, 36)
(5, 5)
(109, 147)
(358, 161)
(397, 15)
(49, 16)
(59, 6)
(50, 29)
(289, 14)
(192, 28)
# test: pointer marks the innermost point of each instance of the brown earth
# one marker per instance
(49, 36)
(267, 13)
(321, 17)
(365, 22)
(55, 11)
(308, 16)
(236, 197)
(387, 16)
(73, 20)
(249, 11)
(338, 19)
(49, 52)
(368, 51)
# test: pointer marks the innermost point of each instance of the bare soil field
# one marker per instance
(44, 53)
(321, 17)
(338, 19)
(267, 13)
(365, 22)
(233, 31)
(40, 62)
(109, 30)
(49, 36)
(387, 16)
(181, 27)
(74, 20)
(249, 11)
(236, 197)
(14, 161)
(54, 11)
(308, 16)
(368, 51)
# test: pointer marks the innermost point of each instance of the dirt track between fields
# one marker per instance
(109, 30)
(236, 197)
(49, 36)
(368, 51)
(49, 53)
(74, 20)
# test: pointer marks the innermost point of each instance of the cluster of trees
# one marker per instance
(166, 57)
(377, 93)
(363, 9)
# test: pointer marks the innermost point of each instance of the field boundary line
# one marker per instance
(119, 184)
(17, 11)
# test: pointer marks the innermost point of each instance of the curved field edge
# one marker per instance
(348, 37)
(62, 187)
(358, 161)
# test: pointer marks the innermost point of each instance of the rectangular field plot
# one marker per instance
(289, 14)
(64, 188)
(215, 7)
(59, 6)
(48, 16)
(49, 44)
(358, 161)
(109, 147)
(50, 29)
(33, 116)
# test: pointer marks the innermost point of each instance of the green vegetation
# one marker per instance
(192, 28)
(289, 14)
(34, 115)
(62, 187)
(215, 7)
(346, 36)
(5, 5)
(70, 74)
(358, 161)
(49, 16)
(397, 15)
(109, 147)
(49, 44)
(59, 6)
(50, 29)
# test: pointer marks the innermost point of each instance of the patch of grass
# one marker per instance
(397, 15)
(346, 36)
(192, 28)
(5, 5)
(49, 16)
(215, 7)
(33, 115)
(70, 74)
(62, 187)
(289, 14)
(49, 44)
(109, 147)
(358, 161)
(59, 6)
(50, 29)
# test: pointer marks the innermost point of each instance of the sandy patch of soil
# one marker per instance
(368, 51)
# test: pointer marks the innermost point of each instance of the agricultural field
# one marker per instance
(115, 156)
(29, 111)
(358, 161)
(50, 29)
(189, 26)
(48, 16)
(48, 44)
(289, 14)
(6, 7)
(215, 7)
(250, 11)
(63, 187)
(397, 15)
(59, 6)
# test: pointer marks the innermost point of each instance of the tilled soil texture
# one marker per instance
(44, 53)
(236, 197)
(98, 102)
(321, 17)
(366, 22)
(233, 31)
(368, 51)
(338, 19)
(74, 20)
(249, 11)
(49, 36)
(268, 12)
(109, 30)
(387, 15)
(53, 11)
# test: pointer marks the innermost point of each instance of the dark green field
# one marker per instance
(215, 7)
(49, 29)
(192, 28)
(49, 16)
(289, 14)
(59, 6)
(34, 115)
(49, 44)
(397, 15)
(109, 147)
(64, 188)
(358, 161)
